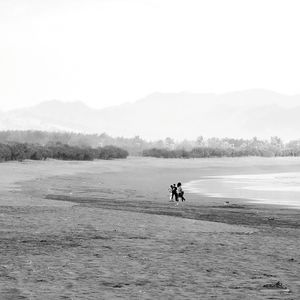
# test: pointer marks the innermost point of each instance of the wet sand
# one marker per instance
(105, 230)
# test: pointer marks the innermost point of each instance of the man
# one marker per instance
(174, 192)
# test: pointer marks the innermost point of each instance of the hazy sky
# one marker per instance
(105, 52)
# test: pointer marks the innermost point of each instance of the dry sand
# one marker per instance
(105, 230)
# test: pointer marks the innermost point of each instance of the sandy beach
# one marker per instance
(105, 230)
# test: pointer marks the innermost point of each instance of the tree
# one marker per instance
(200, 141)
(170, 143)
(5, 152)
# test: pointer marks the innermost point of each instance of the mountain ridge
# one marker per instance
(182, 115)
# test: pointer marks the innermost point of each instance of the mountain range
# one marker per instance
(183, 115)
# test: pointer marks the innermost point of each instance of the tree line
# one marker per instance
(168, 147)
(21, 151)
(236, 148)
(134, 145)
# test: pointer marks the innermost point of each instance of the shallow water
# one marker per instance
(272, 188)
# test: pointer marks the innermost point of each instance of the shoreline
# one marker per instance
(278, 189)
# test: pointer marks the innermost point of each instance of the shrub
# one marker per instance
(21, 151)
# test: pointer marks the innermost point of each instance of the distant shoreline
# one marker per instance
(280, 189)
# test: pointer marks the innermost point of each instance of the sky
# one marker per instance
(106, 52)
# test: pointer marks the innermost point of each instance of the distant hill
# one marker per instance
(50, 115)
(183, 115)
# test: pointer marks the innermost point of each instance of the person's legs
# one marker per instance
(174, 195)
(182, 198)
(171, 197)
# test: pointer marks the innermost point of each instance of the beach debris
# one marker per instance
(268, 275)
(271, 218)
(277, 285)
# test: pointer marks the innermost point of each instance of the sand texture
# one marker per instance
(105, 230)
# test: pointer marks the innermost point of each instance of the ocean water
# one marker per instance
(272, 188)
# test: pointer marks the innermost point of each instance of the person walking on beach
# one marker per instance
(180, 192)
(174, 193)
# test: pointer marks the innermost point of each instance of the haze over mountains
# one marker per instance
(181, 116)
